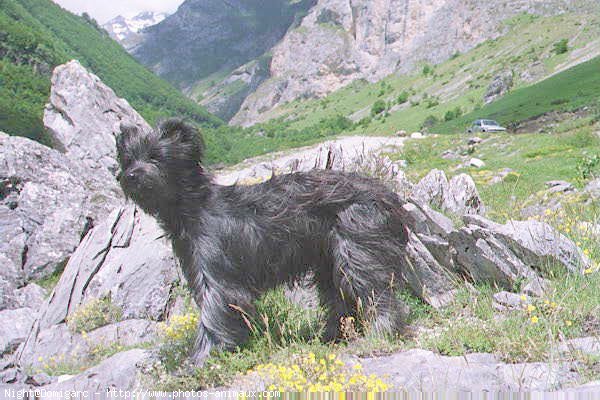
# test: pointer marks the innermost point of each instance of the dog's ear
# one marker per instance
(128, 130)
(183, 133)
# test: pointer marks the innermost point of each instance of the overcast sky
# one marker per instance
(104, 10)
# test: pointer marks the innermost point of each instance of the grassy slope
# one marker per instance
(568, 90)
(459, 82)
(38, 35)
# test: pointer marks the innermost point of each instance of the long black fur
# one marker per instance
(236, 242)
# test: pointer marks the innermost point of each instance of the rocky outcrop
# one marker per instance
(14, 328)
(125, 259)
(205, 37)
(121, 372)
(341, 41)
(501, 84)
(48, 202)
(440, 256)
(226, 97)
(417, 370)
(83, 118)
(348, 153)
(458, 196)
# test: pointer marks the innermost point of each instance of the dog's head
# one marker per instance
(157, 165)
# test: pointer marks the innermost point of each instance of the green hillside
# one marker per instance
(569, 90)
(37, 35)
(434, 93)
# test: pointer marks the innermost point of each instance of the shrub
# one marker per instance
(432, 102)
(589, 167)
(429, 122)
(378, 107)
(93, 314)
(452, 114)
(402, 97)
(177, 338)
(561, 47)
(427, 69)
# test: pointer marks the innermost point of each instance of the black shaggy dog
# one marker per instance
(236, 242)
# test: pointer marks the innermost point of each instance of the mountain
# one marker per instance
(339, 42)
(533, 49)
(213, 36)
(243, 59)
(37, 35)
(126, 30)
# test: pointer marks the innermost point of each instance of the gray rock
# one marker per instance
(420, 370)
(128, 251)
(427, 277)
(462, 196)
(416, 135)
(559, 187)
(14, 377)
(501, 84)
(476, 162)
(536, 287)
(591, 388)
(59, 343)
(31, 296)
(484, 258)
(121, 371)
(458, 196)
(536, 243)
(431, 189)
(586, 345)
(14, 328)
(474, 140)
(504, 301)
(478, 220)
(424, 220)
(84, 116)
(40, 379)
(593, 188)
(503, 254)
(52, 198)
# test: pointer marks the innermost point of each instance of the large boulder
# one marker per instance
(516, 251)
(48, 202)
(415, 370)
(431, 189)
(458, 196)
(501, 84)
(14, 328)
(121, 372)
(79, 349)
(126, 259)
(49, 198)
(84, 115)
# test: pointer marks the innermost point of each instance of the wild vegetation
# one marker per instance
(37, 35)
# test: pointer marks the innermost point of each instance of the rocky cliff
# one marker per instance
(204, 37)
(126, 30)
(340, 41)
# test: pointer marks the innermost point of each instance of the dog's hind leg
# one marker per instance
(331, 299)
(367, 260)
(222, 322)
